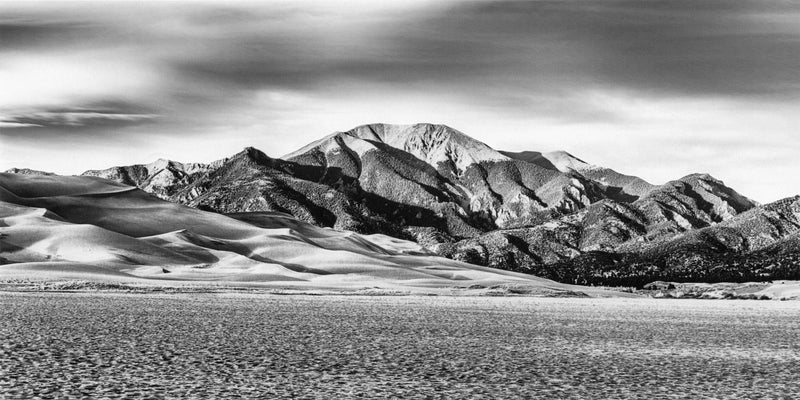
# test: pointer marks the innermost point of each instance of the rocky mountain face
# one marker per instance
(547, 213)
(439, 168)
(163, 178)
(27, 171)
(760, 244)
(617, 186)
(609, 232)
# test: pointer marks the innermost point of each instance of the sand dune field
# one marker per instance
(56, 227)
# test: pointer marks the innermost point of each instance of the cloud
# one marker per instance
(13, 124)
(100, 118)
(66, 78)
(24, 33)
(497, 48)
(520, 55)
(539, 74)
(76, 119)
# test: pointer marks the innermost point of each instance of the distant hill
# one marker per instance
(761, 244)
(27, 171)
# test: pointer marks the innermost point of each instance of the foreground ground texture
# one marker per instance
(242, 345)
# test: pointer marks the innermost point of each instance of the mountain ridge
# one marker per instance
(432, 143)
(450, 193)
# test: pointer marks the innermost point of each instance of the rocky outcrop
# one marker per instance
(163, 178)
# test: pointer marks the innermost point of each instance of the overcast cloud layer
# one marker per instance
(658, 89)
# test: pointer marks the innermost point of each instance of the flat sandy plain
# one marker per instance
(110, 345)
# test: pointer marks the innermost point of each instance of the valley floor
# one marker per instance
(245, 345)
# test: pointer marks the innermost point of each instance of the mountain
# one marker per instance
(415, 181)
(761, 244)
(440, 168)
(617, 186)
(27, 171)
(162, 178)
(92, 228)
(442, 147)
(252, 181)
(450, 193)
(685, 205)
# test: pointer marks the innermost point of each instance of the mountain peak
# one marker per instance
(699, 176)
(432, 143)
(711, 195)
(702, 179)
(253, 153)
(172, 166)
(393, 134)
(161, 163)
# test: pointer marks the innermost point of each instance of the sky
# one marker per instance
(656, 89)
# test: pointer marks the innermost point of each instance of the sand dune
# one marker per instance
(67, 227)
(63, 269)
(781, 290)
